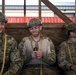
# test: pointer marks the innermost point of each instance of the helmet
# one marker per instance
(3, 18)
(34, 22)
(70, 27)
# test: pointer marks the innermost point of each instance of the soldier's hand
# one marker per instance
(73, 67)
(39, 54)
(34, 54)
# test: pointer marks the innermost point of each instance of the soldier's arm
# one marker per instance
(50, 55)
(15, 60)
(22, 48)
(63, 63)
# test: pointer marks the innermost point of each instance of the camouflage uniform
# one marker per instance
(27, 45)
(64, 57)
(13, 60)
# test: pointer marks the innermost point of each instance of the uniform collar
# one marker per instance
(70, 41)
(41, 36)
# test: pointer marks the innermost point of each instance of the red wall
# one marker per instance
(44, 19)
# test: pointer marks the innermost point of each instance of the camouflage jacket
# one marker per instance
(64, 56)
(27, 44)
(13, 60)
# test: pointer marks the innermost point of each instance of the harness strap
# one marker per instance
(41, 58)
(70, 54)
(4, 56)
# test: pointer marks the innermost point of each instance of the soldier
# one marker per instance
(67, 51)
(38, 51)
(10, 58)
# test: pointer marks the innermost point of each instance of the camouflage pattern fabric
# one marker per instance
(64, 58)
(70, 27)
(13, 59)
(47, 48)
(34, 22)
(36, 71)
(3, 17)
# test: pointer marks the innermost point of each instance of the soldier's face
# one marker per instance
(1, 27)
(73, 34)
(35, 30)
